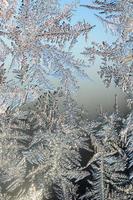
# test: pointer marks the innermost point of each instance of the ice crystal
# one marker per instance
(39, 135)
(43, 149)
(116, 58)
(32, 40)
(110, 174)
(110, 165)
(48, 148)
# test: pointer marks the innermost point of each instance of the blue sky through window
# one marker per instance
(92, 92)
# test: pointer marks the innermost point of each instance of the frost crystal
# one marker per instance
(32, 40)
(48, 148)
(39, 135)
(117, 58)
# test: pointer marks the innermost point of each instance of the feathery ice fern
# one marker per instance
(110, 167)
(42, 134)
(32, 38)
(116, 58)
(39, 146)
(40, 151)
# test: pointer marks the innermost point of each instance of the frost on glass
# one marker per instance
(116, 58)
(40, 138)
(49, 150)
(40, 151)
(32, 47)
(110, 166)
